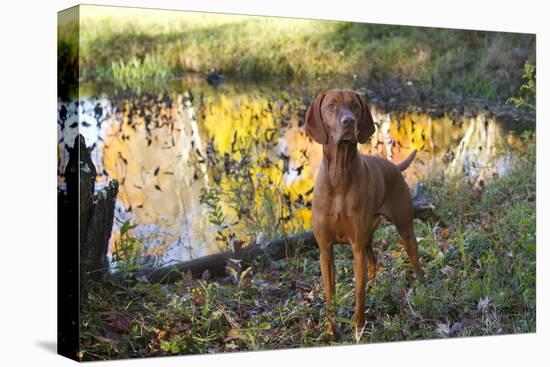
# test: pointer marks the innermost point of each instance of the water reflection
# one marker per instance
(164, 149)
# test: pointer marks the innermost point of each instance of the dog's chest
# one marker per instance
(341, 209)
(337, 217)
(339, 206)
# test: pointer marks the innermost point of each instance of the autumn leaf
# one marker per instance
(443, 329)
(234, 334)
(198, 297)
(187, 277)
(121, 324)
(160, 334)
(230, 347)
(233, 266)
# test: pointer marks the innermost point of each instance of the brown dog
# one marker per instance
(353, 192)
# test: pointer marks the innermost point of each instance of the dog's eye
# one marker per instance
(354, 106)
(330, 107)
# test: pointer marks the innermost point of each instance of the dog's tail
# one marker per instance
(405, 164)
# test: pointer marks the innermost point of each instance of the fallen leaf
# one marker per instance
(160, 335)
(233, 334)
(246, 282)
(395, 254)
(234, 264)
(121, 324)
(442, 329)
(230, 347)
(187, 277)
(483, 304)
(457, 326)
(234, 261)
(199, 299)
(449, 271)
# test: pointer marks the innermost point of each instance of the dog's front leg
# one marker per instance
(329, 277)
(360, 273)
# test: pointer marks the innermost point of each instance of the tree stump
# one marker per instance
(95, 210)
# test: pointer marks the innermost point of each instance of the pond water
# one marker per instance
(247, 140)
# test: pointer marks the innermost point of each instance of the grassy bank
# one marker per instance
(480, 281)
(125, 45)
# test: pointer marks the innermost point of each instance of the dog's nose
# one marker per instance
(347, 120)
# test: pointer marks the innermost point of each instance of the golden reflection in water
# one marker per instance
(150, 152)
(241, 121)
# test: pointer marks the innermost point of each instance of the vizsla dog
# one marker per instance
(353, 192)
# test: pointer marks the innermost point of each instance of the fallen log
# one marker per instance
(216, 264)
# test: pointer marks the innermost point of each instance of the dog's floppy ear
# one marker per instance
(314, 122)
(366, 123)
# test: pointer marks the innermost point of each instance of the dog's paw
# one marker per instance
(330, 332)
(359, 325)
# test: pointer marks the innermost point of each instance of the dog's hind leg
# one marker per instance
(401, 213)
(371, 258)
(411, 246)
(406, 231)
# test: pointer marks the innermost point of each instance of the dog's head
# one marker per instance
(337, 116)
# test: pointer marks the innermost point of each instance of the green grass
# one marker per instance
(439, 61)
(480, 281)
(132, 74)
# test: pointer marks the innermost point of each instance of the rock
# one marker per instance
(215, 79)
(423, 209)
